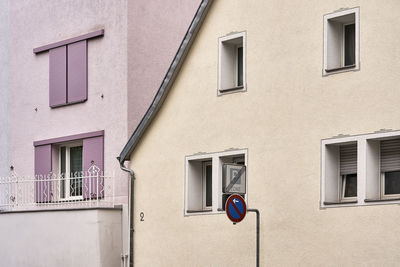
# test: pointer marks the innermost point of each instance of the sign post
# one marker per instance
(234, 182)
(258, 235)
(236, 209)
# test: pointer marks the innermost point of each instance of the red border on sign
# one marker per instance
(230, 201)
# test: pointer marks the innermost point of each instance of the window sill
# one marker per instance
(227, 90)
(198, 211)
(327, 203)
(340, 68)
(67, 104)
(381, 200)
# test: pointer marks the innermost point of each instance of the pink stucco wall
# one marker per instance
(126, 67)
(4, 88)
(40, 22)
(156, 29)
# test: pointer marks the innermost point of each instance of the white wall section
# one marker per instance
(61, 238)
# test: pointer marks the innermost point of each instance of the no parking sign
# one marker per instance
(235, 208)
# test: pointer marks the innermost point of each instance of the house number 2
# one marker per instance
(142, 216)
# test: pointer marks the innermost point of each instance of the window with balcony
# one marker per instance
(68, 173)
(64, 168)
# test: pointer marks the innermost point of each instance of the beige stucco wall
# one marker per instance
(287, 109)
(156, 29)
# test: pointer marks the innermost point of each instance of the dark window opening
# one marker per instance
(208, 185)
(349, 45)
(392, 183)
(240, 66)
(76, 170)
(350, 185)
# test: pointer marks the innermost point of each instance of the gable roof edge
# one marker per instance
(168, 80)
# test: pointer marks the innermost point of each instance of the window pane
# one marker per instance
(76, 159)
(351, 185)
(76, 170)
(62, 171)
(240, 66)
(349, 45)
(392, 183)
(209, 185)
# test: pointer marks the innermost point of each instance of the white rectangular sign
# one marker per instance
(234, 178)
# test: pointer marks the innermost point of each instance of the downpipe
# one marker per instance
(132, 179)
(257, 212)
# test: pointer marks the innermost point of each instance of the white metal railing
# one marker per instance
(56, 191)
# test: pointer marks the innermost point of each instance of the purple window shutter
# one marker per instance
(77, 72)
(93, 151)
(42, 173)
(58, 76)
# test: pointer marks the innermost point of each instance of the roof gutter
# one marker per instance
(168, 80)
(156, 105)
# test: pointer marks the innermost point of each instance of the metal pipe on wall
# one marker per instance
(131, 202)
(258, 235)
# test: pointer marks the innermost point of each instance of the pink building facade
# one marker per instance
(79, 76)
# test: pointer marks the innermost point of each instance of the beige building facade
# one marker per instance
(302, 95)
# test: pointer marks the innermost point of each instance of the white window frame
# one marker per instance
(382, 184)
(370, 183)
(343, 179)
(67, 170)
(221, 90)
(326, 70)
(332, 187)
(217, 160)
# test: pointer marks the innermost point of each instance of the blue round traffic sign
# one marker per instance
(235, 208)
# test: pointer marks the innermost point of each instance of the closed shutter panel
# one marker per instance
(42, 173)
(93, 151)
(77, 72)
(58, 76)
(348, 159)
(390, 155)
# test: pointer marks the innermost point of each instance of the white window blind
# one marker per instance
(348, 159)
(390, 155)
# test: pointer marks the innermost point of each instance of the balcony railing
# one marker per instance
(57, 191)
